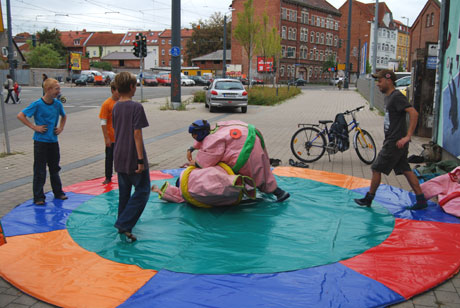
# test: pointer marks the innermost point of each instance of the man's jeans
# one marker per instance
(46, 153)
(130, 207)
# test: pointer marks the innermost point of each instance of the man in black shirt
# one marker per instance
(393, 155)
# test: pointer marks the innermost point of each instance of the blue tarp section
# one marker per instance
(29, 218)
(396, 199)
(173, 172)
(332, 285)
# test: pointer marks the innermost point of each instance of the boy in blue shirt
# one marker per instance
(46, 112)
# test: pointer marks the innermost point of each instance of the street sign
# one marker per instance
(175, 51)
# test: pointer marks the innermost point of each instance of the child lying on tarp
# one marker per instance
(240, 146)
(207, 187)
(447, 188)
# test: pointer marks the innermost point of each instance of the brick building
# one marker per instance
(361, 34)
(165, 45)
(402, 49)
(213, 61)
(75, 41)
(309, 33)
(425, 29)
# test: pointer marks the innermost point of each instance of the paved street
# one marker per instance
(166, 139)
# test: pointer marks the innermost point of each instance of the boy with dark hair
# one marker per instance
(46, 112)
(393, 155)
(107, 130)
(129, 155)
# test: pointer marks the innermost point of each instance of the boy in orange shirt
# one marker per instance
(107, 130)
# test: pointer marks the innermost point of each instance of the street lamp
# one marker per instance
(407, 45)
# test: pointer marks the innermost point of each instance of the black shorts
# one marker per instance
(392, 158)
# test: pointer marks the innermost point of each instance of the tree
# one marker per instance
(400, 66)
(268, 40)
(44, 55)
(207, 36)
(368, 67)
(330, 62)
(246, 30)
(53, 38)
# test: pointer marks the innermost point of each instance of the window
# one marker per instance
(322, 38)
(312, 20)
(317, 37)
(283, 13)
(169, 42)
(282, 70)
(336, 39)
(428, 20)
(322, 23)
(317, 55)
(310, 71)
(321, 56)
(294, 34)
(289, 71)
(311, 54)
(290, 34)
(293, 15)
(283, 32)
(76, 42)
(94, 53)
(318, 21)
(312, 37)
(162, 42)
(162, 52)
(283, 51)
(163, 62)
(378, 46)
(336, 25)
(432, 19)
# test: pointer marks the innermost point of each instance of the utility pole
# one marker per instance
(224, 60)
(347, 65)
(175, 55)
(374, 52)
(358, 69)
(10, 41)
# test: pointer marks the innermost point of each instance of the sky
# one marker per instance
(120, 16)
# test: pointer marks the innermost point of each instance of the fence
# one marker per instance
(364, 87)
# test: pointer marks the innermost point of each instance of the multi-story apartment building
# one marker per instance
(101, 44)
(363, 35)
(165, 45)
(402, 48)
(309, 33)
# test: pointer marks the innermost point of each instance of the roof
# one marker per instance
(68, 37)
(436, 2)
(216, 55)
(183, 33)
(118, 55)
(320, 5)
(105, 39)
(151, 37)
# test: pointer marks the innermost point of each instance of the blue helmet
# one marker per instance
(201, 128)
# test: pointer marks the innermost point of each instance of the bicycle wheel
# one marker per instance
(365, 146)
(308, 144)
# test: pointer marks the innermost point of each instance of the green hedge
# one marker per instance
(265, 96)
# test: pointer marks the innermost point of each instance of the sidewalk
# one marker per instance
(166, 140)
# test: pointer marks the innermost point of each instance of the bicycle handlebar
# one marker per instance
(356, 109)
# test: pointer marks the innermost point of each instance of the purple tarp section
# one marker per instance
(332, 285)
(396, 199)
(29, 218)
(173, 172)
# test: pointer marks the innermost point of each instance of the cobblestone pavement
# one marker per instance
(166, 139)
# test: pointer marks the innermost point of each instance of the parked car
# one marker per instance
(73, 77)
(164, 79)
(298, 82)
(98, 78)
(185, 81)
(334, 81)
(108, 77)
(403, 83)
(83, 80)
(200, 81)
(257, 81)
(150, 80)
(225, 92)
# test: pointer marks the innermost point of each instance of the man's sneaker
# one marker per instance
(61, 197)
(366, 201)
(417, 206)
(281, 195)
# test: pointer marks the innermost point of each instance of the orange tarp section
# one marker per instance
(341, 180)
(53, 268)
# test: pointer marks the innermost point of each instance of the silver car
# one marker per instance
(226, 93)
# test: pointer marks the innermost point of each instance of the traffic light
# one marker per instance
(143, 46)
(136, 48)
